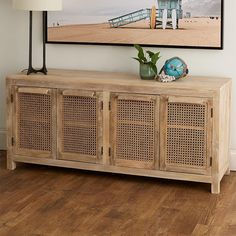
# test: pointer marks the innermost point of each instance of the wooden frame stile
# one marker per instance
(11, 164)
(215, 184)
(221, 135)
(74, 155)
(59, 121)
(106, 150)
(221, 129)
(163, 130)
(207, 149)
(52, 126)
(157, 133)
(130, 161)
(227, 112)
(100, 148)
(113, 114)
(209, 135)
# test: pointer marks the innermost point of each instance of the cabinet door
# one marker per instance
(34, 121)
(134, 131)
(80, 125)
(186, 134)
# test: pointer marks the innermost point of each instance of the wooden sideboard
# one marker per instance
(115, 122)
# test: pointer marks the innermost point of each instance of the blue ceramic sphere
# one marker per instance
(175, 67)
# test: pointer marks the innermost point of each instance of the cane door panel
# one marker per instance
(34, 131)
(134, 130)
(80, 125)
(186, 135)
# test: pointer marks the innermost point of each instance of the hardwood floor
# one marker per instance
(39, 200)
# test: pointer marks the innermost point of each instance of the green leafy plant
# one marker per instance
(147, 57)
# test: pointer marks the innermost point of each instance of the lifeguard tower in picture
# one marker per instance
(167, 13)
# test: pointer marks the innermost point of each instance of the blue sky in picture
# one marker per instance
(91, 11)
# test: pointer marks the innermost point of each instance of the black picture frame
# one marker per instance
(221, 47)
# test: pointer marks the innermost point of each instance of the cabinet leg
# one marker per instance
(11, 165)
(227, 171)
(215, 188)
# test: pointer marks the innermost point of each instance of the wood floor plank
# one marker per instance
(40, 200)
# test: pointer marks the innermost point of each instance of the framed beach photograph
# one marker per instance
(160, 23)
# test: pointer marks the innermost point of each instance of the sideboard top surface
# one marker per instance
(75, 78)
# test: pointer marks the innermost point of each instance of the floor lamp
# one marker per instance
(43, 6)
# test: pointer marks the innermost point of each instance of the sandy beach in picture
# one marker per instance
(192, 32)
(186, 23)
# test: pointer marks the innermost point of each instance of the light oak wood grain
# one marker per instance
(43, 200)
(213, 93)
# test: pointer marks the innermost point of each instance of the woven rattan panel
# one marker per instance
(135, 130)
(34, 122)
(186, 114)
(80, 125)
(186, 135)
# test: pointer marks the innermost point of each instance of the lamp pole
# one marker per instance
(31, 70)
(44, 69)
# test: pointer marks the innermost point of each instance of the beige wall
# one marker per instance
(14, 55)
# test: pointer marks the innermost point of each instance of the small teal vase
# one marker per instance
(146, 72)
